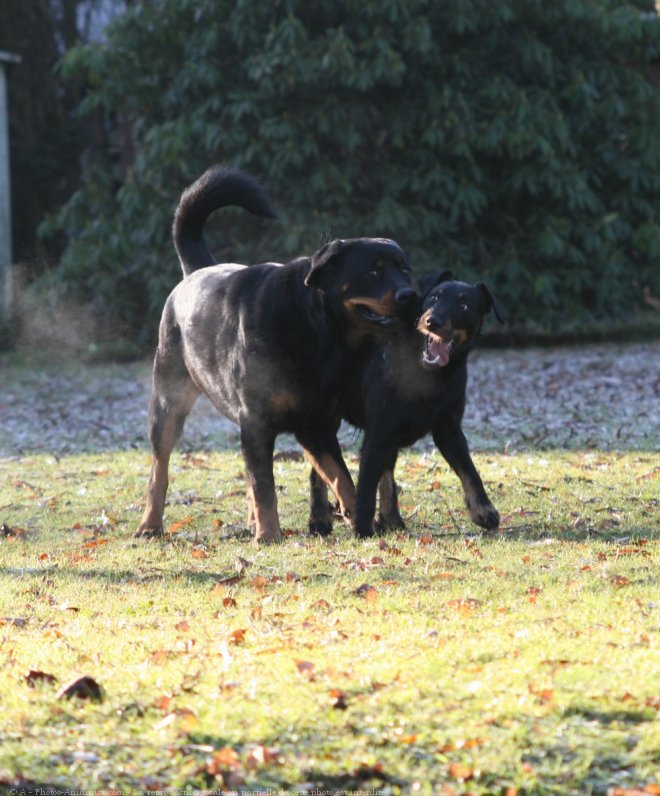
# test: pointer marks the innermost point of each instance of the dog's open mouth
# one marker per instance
(371, 316)
(437, 351)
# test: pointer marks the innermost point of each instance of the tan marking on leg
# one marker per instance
(338, 481)
(152, 519)
(266, 522)
(251, 521)
(386, 491)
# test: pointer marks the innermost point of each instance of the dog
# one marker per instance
(269, 344)
(411, 385)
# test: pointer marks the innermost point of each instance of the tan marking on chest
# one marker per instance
(284, 401)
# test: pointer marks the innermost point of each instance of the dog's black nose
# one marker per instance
(405, 296)
(433, 324)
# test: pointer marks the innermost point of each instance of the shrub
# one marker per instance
(513, 141)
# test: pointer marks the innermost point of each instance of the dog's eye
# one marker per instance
(464, 307)
(433, 298)
(374, 273)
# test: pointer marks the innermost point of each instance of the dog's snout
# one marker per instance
(434, 324)
(405, 296)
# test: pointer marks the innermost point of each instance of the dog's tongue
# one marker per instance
(439, 351)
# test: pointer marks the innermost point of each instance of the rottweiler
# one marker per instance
(269, 344)
(411, 385)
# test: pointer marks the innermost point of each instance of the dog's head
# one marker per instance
(452, 314)
(369, 279)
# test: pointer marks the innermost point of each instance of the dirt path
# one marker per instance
(597, 396)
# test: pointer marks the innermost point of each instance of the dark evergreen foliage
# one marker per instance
(514, 141)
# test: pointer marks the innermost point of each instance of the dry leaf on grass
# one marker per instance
(34, 676)
(367, 591)
(83, 687)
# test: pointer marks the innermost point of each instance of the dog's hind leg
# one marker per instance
(452, 444)
(172, 398)
(389, 517)
(324, 454)
(320, 510)
(257, 445)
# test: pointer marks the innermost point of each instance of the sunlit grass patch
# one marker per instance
(521, 662)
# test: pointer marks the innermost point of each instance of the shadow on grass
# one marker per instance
(126, 576)
(611, 716)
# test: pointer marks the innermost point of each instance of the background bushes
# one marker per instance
(516, 142)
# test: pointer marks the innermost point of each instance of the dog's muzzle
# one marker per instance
(439, 341)
(390, 311)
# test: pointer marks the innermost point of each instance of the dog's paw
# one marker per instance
(390, 522)
(367, 530)
(485, 515)
(145, 532)
(318, 527)
(270, 538)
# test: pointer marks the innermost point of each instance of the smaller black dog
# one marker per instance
(414, 384)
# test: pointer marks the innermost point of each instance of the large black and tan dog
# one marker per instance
(269, 344)
(412, 385)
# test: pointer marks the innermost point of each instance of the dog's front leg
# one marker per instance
(389, 517)
(324, 454)
(374, 457)
(257, 445)
(452, 444)
(320, 510)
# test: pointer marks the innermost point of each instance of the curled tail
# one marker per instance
(217, 187)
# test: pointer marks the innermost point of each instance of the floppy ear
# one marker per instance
(429, 281)
(321, 259)
(490, 302)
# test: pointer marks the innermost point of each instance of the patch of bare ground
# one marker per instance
(603, 396)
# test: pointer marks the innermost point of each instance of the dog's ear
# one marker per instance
(490, 302)
(321, 259)
(429, 281)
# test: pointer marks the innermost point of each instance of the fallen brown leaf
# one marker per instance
(83, 687)
(19, 621)
(237, 636)
(34, 676)
(176, 526)
(306, 668)
(463, 604)
(338, 699)
(262, 756)
(222, 759)
(460, 772)
(369, 593)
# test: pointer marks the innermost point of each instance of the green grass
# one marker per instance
(520, 662)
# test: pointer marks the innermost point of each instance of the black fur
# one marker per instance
(270, 345)
(411, 385)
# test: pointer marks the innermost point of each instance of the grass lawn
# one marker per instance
(439, 661)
